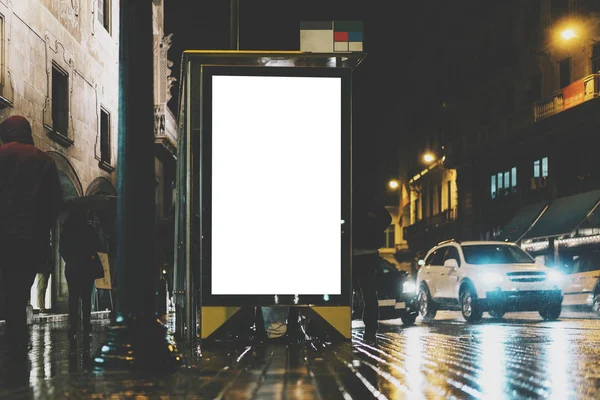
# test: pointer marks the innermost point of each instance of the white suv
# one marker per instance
(496, 277)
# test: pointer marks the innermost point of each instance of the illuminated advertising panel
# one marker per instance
(275, 173)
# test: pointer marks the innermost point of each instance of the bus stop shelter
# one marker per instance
(263, 206)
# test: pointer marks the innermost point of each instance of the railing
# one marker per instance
(504, 128)
(445, 217)
(165, 126)
(578, 92)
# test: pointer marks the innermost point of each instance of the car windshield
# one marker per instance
(495, 254)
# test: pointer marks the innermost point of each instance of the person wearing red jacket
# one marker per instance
(30, 200)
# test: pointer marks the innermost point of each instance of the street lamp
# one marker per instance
(394, 184)
(568, 34)
(571, 32)
(428, 157)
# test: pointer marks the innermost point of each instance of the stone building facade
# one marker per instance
(60, 69)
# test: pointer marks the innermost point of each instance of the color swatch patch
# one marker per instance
(328, 36)
(316, 37)
(348, 36)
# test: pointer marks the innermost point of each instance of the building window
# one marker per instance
(540, 173)
(500, 185)
(503, 183)
(540, 168)
(104, 13)
(105, 155)
(513, 181)
(390, 238)
(545, 167)
(449, 194)
(565, 72)
(60, 101)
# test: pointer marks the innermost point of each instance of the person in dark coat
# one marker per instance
(79, 244)
(369, 222)
(30, 200)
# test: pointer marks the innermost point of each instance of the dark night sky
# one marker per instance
(400, 38)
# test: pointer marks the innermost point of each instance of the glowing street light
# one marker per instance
(568, 34)
(428, 157)
(394, 184)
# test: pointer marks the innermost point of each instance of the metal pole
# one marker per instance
(190, 308)
(234, 24)
(138, 340)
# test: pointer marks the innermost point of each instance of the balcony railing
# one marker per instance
(576, 93)
(445, 217)
(165, 128)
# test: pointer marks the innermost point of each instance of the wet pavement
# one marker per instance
(520, 356)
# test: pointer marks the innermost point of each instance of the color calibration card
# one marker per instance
(331, 36)
(276, 185)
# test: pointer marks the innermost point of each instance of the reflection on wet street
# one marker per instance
(517, 357)
(520, 356)
(51, 356)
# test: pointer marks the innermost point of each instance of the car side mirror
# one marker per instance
(451, 263)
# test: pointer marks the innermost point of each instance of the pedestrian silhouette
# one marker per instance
(79, 244)
(30, 200)
(369, 222)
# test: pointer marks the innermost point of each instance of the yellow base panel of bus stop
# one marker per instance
(337, 317)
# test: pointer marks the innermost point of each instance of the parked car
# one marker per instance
(582, 280)
(479, 276)
(396, 293)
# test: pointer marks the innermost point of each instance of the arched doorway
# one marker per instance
(101, 185)
(103, 220)
(69, 182)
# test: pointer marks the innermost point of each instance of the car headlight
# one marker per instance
(555, 276)
(492, 278)
(409, 287)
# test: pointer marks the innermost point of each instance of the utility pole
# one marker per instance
(137, 340)
(234, 24)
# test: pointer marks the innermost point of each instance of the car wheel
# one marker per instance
(596, 304)
(496, 313)
(427, 309)
(409, 319)
(469, 305)
(551, 312)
